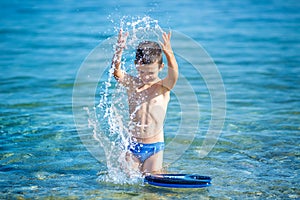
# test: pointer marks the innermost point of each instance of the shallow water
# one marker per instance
(255, 46)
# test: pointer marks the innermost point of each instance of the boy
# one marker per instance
(148, 98)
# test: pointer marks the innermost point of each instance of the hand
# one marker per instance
(170, 80)
(166, 44)
(121, 43)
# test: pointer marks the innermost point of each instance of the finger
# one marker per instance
(120, 35)
(126, 34)
(165, 38)
(161, 44)
(169, 35)
(165, 35)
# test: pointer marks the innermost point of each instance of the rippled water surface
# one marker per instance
(255, 45)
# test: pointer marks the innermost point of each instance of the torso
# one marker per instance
(147, 108)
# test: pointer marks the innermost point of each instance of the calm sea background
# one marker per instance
(255, 45)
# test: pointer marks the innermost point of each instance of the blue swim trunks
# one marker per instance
(145, 151)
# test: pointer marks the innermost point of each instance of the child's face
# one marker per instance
(149, 73)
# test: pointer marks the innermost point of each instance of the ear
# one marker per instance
(161, 66)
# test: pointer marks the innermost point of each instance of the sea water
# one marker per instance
(255, 45)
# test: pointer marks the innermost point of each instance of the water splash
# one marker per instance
(110, 121)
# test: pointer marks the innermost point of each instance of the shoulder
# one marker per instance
(162, 90)
(162, 87)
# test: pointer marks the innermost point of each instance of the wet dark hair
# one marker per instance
(148, 52)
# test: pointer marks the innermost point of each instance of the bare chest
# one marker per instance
(149, 99)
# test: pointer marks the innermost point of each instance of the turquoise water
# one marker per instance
(255, 45)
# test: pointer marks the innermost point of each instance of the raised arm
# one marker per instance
(170, 80)
(116, 61)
